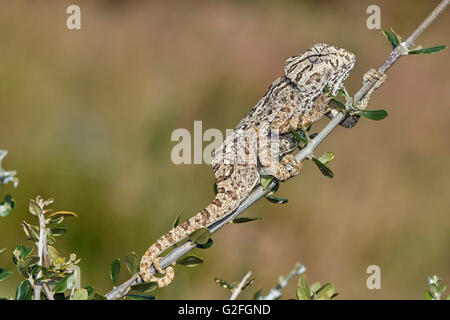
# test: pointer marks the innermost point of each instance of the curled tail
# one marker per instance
(230, 193)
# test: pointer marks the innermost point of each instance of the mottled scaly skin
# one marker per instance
(294, 100)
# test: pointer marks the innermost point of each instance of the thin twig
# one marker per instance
(48, 293)
(181, 250)
(238, 289)
(123, 289)
(275, 293)
(42, 250)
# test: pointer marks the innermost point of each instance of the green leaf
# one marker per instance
(80, 294)
(275, 199)
(323, 168)
(132, 263)
(145, 286)
(53, 253)
(20, 252)
(4, 274)
(190, 261)
(200, 236)
(206, 245)
(7, 206)
(215, 189)
(338, 103)
(265, 181)
(442, 289)
(32, 232)
(275, 187)
(34, 208)
(433, 289)
(326, 157)
(23, 291)
(22, 268)
(315, 286)
(246, 219)
(176, 222)
(372, 114)
(35, 269)
(58, 214)
(427, 50)
(65, 283)
(31, 261)
(393, 38)
(90, 290)
(2, 249)
(257, 295)
(303, 290)
(140, 297)
(298, 137)
(428, 295)
(114, 271)
(222, 283)
(55, 220)
(326, 292)
(58, 231)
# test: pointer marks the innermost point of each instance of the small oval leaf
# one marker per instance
(132, 263)
(427, 50)
(246, 219)
(65, 283)
(323, 168)
(176, 221)
(4, 274)
(34, 208)
(190, 261)
(206, 245)
(7, 206)
(114, 271)
(23, 291)
(140, 297)
(80, 294)
(373, 114)
(275, 199)
(58, 214)
(265, 181)
(200, 236)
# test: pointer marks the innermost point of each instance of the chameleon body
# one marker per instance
(295, 100)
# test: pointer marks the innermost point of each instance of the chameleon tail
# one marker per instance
(225, 202)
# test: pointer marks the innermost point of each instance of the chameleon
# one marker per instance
(292, 102)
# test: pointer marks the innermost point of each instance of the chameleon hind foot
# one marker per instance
(292, 165)
(369, 76)
(169, 274)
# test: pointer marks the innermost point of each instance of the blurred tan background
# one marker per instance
(87, 116)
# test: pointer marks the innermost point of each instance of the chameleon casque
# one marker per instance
(295, 100)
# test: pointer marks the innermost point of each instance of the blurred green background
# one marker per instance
(87, 116)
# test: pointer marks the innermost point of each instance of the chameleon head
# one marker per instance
(321, 65)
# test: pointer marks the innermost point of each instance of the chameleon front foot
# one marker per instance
(287, 168)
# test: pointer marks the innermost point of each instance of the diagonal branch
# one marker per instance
(241, 285)
(306, 152)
